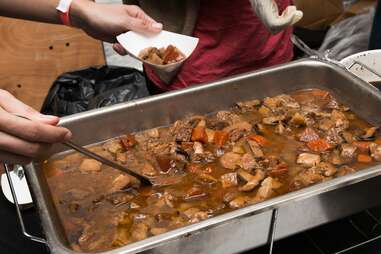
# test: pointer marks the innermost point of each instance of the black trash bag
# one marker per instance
(93, 87)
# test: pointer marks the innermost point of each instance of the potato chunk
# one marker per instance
(90, 165)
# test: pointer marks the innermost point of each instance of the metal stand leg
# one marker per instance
(18, 210)
(378, 222)
(274, 219)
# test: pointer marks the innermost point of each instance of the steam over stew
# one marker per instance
(231, 159)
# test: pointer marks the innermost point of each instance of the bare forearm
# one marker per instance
(40, 10)
(101, 21)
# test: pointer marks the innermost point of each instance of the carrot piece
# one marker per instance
(363, 158)
(259, 139)
(220, 137)
(53, 172)
(199, 134)
(319, 145)
(363, 146)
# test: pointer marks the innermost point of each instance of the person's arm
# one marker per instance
(268, 12)
(101, 21)
(37, 10)
(22, 140)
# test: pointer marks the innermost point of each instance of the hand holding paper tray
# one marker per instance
(134, 43)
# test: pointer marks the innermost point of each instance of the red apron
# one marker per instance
(232, 40)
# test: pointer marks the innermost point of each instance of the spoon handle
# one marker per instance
(104, 160)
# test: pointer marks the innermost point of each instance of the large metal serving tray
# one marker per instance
(247, 227)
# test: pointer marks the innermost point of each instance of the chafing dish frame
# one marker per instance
(249, 226)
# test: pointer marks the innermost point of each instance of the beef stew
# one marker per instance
(255, 151)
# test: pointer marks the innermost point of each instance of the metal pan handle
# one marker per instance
(18, 210)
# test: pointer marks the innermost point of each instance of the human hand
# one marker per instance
(22, 140)
(268, 12)
(106, 21)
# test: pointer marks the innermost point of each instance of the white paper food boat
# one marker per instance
(134, 43)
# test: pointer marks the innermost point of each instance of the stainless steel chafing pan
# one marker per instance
(247, 227)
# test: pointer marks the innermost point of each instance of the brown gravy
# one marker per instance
(255, 151)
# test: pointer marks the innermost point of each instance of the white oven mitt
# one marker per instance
(268, 12)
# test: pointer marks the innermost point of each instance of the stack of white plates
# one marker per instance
(371, 58)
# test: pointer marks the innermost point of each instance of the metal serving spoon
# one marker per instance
(152, 180)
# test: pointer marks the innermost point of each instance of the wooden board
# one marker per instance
(33, 54)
